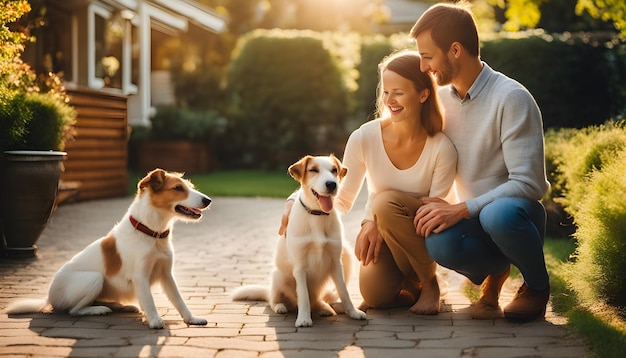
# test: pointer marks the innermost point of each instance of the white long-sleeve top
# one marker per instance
(365, 157)
(498, 133)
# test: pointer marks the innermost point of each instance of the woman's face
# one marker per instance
(400, 97)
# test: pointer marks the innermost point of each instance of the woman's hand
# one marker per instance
(368, 243)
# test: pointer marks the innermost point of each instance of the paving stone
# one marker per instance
(234, 245)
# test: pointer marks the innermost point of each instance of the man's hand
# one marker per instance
(368, 243)
(285, 219)
(437, 215)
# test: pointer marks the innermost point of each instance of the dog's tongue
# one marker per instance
(326, 202)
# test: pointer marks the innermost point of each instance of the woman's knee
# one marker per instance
(379, 283)
(382, 201)
(390, 204)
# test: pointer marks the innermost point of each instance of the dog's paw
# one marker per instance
(280, 308)
(357, 314)
(326, 310)
(91, 311)
(337, 307)
(156, 323)
(129, 309)
(196, 321)
(304, 322)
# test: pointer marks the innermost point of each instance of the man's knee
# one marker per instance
(441, 249)
(504, 218)
(502, 215)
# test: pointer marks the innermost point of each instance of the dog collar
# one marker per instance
(146, 230)
(312, 212)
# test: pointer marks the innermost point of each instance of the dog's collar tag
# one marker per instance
(312, 212)
(146, 230)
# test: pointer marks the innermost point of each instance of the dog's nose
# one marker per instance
(206, 201)
(331, 185)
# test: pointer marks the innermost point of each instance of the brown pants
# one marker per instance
(403, 262)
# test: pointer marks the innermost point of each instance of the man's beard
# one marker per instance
(444, 75)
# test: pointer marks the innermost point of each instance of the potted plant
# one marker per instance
(35, 122)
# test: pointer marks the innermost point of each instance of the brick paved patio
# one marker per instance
(233, 245)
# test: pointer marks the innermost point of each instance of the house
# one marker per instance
(402, 15)
(107, 52)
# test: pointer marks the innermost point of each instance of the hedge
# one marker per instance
(289, 97)
(589, 168)
(292, 92)
(576, 81)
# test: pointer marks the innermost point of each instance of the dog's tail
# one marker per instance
(251, 293)
(28, 305)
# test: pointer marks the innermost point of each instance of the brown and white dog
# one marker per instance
(312, 253)
(120, 268)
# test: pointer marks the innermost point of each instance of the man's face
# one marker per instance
(434, 59)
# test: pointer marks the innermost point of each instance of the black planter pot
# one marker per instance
(29, 182)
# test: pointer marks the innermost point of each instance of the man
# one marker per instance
(496, 127)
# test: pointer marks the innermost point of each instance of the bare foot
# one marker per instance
(428, 302)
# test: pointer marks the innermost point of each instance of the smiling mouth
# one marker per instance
(395, 109)
(189, 212)
(326, 202)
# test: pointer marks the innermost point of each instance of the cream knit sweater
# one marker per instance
(498, 133)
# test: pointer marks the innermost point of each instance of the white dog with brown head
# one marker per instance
(313, 253)
(119, 268)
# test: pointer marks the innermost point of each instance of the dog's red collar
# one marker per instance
(146, 230)
(312, 212)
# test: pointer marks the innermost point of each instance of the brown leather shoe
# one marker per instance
(487, 306)
(527, 304)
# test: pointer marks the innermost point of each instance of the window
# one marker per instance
(108, 48)
(52, 52)
(113, 50)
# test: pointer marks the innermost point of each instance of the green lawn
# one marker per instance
(604, 331)
(245, 183)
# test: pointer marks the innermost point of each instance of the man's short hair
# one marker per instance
(449, 23)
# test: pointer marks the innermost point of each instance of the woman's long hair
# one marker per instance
(406, 63)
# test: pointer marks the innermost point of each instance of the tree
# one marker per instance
(527, 13)
(607, 10)
(11, 42)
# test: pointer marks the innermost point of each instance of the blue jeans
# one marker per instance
(507, 231)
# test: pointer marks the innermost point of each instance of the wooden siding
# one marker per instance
(97, 158)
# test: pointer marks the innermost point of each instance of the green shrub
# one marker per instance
(598, 272)
(288, 96)
(35, 121)
(576, 80)
(557, 144)
(172, 123)
(14, 117)
(576, 154)
(201, 88)
(373, 50)
(176, 123)
(52, 122)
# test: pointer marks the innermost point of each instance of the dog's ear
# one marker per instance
(297, 169)
(341, 169)
(155, 179)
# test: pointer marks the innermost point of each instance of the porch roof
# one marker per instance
(197, 13)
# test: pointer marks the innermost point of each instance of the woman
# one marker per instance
(404, 156)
